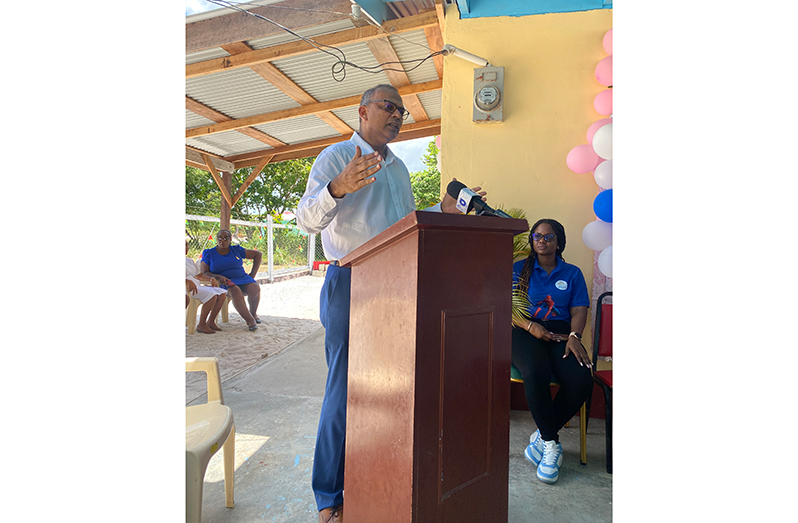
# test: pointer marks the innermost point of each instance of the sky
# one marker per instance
(410, 151)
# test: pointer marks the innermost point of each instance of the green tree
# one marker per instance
(203, 196)
(276, 189)
(426, 184)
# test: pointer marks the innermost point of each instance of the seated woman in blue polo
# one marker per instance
(225, 263)
(546, 344)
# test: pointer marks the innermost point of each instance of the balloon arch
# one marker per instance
(596, 157)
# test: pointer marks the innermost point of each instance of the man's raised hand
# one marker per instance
(356, 175)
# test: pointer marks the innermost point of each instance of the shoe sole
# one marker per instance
(548, 480)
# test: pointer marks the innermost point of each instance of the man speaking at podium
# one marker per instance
(356, 189)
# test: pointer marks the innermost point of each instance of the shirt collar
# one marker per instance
(365, 148)
(556, 267)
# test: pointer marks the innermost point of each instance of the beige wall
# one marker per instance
(549, 86)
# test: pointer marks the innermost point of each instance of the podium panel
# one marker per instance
(429, 372)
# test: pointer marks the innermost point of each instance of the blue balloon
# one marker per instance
(602, 206)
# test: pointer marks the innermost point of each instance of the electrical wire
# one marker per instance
(273, 6)
(338, 68)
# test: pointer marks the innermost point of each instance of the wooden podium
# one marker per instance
(429, 371)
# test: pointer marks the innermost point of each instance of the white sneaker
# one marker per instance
(549, 468)
(534, 451)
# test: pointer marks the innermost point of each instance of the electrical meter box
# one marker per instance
(488, 94)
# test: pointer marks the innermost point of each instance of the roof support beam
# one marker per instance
(222, 187)
(274, 76)
(305, 153)
(384, 52)
(349, 36)
(197, 159)
(284, 114)
(434, 36)
(212, 114)
(416, 129)
(251, 178)
(236, 26)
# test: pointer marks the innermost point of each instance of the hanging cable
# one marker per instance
(338, 68)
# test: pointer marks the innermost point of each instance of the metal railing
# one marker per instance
(286, 249)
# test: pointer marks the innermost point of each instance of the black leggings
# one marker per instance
(540, 363)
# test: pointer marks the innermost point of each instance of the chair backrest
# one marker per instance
(602, 335)
(210, 366)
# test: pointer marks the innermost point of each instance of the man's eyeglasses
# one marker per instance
(223, 238)
(390, 107)
(545, 237)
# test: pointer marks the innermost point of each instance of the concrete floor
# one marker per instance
(276, 408)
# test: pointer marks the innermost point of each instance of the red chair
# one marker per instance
(602, 347)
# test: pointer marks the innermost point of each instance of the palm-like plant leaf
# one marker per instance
(520, 303)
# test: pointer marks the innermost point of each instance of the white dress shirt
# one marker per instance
(347, 223)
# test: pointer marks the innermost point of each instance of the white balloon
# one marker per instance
(605, 262)
(597, 235)
(439, 162)
(603, 174)
(602, 142)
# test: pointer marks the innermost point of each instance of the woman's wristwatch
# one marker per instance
(576, 335)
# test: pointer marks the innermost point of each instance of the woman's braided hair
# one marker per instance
(559, 231)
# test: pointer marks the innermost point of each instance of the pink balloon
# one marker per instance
(604, 71)
(582, 159)
(438, 141)
(603, 102)
(595, 127)
(608, 42)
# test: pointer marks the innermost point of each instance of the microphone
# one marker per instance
(467, 199)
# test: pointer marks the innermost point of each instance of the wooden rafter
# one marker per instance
(324, 142)
(251, 178)
(284, 114)
(212, 114)
(434, 34)
(236, 27)
(348, 36)
(384, 52)
(195, 158)
(211, 169)
(277, 78)
(440, 9)
(315, 151)
(413, 131)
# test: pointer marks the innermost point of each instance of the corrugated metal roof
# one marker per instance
(414, 46)
(227, 144)
(298, 130)
(239, 92)
(206, 54)
(314, 72)
(307, 32)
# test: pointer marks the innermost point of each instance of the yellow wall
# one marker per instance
(549, 86)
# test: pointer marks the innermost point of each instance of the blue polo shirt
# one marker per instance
(553, 295)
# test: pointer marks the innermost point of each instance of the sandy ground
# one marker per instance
(289, 310)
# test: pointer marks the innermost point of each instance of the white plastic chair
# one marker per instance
(193, 307)
(208, 427)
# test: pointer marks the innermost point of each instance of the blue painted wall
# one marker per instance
(485, 8)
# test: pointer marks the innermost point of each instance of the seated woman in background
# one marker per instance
(549, 345)
(212, 298)
(225, 262)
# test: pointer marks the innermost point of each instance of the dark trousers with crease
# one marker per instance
(541, 362)
(328, 460)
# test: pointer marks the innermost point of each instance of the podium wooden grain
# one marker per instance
(429, 371)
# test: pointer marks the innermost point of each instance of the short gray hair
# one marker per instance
(368, 95)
